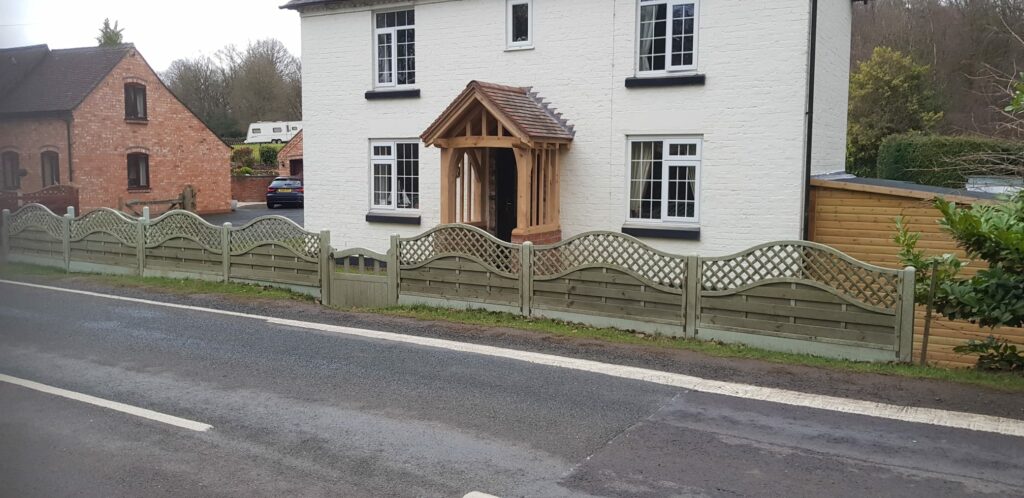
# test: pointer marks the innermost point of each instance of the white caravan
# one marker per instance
(272, 131)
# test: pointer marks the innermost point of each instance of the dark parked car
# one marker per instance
(285, 190)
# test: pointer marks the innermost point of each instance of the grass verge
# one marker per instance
(1002, 382)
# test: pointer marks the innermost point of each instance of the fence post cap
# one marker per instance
(145, 213)
(227, 224)
(71, 211)
(527, 243)
(910, 269)
(7, 211)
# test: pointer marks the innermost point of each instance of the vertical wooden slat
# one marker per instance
(556, 203)
(905, 316)
(325, 271)
(65, 237)
(524, 174)
(225, 251)
(392, 270)
(690, 296)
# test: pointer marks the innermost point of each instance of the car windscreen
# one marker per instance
(286, 184)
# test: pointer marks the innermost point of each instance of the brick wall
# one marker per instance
(182, 150)
(250, 188)
(30, 137)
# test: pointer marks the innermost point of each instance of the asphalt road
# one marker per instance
(247, 213)
(301, 413)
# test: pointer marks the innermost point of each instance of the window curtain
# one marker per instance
(140, 102)
(647, 16)
(642, 162)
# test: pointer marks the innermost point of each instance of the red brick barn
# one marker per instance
(100, 119)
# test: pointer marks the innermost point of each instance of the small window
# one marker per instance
(257, 131)
(395, 167)
(135, 101)
(667, 36)
(519, 25)
(138, 170)
(11, 170)
(664, 179)
(277, 130)
(51, 168)
(395, 47)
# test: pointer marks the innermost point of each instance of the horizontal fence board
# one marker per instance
(472, 295)
(575, 287)
(476, 278)
(735, 303)
(752, 326)
(277, 262)
(579, 305)
(104, 258)
(274, 276)
(179, 265)
(273, 250)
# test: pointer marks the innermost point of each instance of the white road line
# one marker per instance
(931, 416)
(113, 405)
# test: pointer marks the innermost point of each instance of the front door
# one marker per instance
(504, 193)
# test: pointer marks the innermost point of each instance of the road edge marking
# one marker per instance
(929, 416)
(105, 403)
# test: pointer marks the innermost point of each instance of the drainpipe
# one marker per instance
(809, 117)
(71, 170)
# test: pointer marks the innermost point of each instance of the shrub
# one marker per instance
(994, 355)
(242, 171)
(942, 161)
(243, 157)
(268, 154)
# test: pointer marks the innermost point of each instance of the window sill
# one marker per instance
(392, 94)
(662, 232)
(139, 190)
(391, 217)
(136, 120)
(519, 49)
(661, 81)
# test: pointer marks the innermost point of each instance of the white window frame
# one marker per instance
(509, 42)
(394, 49)
(667, 161)
(392, 161)
(669, 68)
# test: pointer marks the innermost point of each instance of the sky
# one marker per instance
(162, 30)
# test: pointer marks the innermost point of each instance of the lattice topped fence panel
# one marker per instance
(36, 216)
(275, 230)
(803, 261)
(461, 240)
(106, 221)
(183, 224)
(609, 249)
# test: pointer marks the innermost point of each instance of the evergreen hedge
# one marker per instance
(932, 159)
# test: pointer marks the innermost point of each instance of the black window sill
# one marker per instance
(398, 219)
(392, 94)
(139, 190)
(136, 120)
(662, 81)
(663, 232)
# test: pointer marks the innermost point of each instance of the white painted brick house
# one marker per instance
(685, 122)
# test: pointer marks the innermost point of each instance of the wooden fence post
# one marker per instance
(393, 269)
(225, 251)
(325, 270)
(905, 346)
(140, 242)
(5, 237)
(65, 237)
(691, 294)
(928, 313)
(526, 277)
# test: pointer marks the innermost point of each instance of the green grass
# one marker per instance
(1003, 382)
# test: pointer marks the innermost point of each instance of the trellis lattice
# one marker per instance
(183, 224)
(461, 240)
(611, 249)
(275, 230)
(36, 216)
(805, 262)
(107, 221)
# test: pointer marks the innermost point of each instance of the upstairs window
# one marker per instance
(395, 167)
(138, 170)
(664, 179)
(519, 24)
(395, 46)
(134, 101)
(51, 168)
(667, 36)
(11, 170)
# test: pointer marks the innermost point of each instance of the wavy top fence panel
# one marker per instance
(795, 261)
(461, 241)
(610, 250)
(36, 216)
(276, 230)
(108, 221)
(183, 225)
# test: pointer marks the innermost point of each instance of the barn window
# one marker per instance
(135, 101)
(11, 170)
(51, 168)
(138, 170)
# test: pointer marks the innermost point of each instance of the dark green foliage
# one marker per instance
(110, 36)
(994, 355)
(243, 156)
(943, 161)
(268, 154)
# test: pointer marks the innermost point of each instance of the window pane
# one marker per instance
(384, 74)
(408, 176)
(521, 22)
(681, 200)
(382, 184)
(645, 180)
(406, 69)
(652, 37)
(682, 35)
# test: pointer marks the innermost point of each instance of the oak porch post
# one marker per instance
(524, 188)
(448, 158)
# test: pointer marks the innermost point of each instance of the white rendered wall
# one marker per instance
(831, 86)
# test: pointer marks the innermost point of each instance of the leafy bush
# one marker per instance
(889, 94)
(994, 354)
(243, 157)
(268, 154)
(243, 171)
(943, 161)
